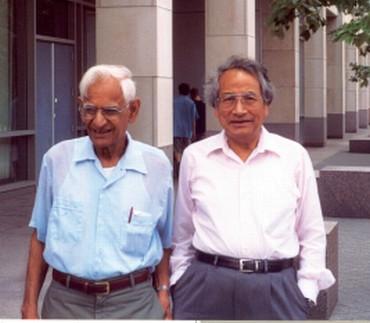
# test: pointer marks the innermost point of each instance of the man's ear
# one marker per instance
(134, 108)
(79, 100)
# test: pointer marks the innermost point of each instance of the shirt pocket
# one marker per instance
(66, 221)
(278, 206)
(137, 234)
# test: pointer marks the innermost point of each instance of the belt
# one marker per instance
(101, 287)
(246, 265)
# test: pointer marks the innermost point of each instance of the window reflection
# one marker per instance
(13, 159)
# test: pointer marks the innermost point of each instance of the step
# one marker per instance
(360, 145)
(344, 191)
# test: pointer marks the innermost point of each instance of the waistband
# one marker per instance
(102, 287)
(246, 265)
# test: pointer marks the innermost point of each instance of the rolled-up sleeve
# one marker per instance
(313, 275)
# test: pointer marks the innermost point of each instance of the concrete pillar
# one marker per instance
(351, 91)
(336, 81)
(230, 30)
(281, 58)
(363, 101)
(314, 121)
(138, 34)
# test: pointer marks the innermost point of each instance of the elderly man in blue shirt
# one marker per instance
(102, 217)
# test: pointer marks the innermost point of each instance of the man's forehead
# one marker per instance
(236, 82)
(105, 86)
(243, 93)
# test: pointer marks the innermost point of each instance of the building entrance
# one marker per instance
(55, 100)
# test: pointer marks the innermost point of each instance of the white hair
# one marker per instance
(98, 72)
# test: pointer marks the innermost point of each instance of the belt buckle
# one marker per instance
(104, 283)
(241, 266)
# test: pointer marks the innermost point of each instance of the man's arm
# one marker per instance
(162, 283)
(312, 275)
(36, 272)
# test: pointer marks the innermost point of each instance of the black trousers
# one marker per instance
(210, 292)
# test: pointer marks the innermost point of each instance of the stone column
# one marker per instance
(314, 121)
(281, 58)
(138, 34)
(336, 81)
(351, 91)
(363, 102)
(230, 30)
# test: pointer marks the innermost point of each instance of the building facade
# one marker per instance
(47, 44)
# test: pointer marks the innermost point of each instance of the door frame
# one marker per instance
(53, 42)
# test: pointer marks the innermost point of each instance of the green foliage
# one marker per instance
(361, 74)
(356, 32)
(285, 11)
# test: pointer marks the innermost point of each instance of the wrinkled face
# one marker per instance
(106, 115)
(240, 108)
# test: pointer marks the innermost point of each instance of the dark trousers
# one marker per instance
(210, 292)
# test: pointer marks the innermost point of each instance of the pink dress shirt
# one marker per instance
(264, 208)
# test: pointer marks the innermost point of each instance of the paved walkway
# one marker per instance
(353, 234)
(354, 250)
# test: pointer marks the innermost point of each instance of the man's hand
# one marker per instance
(164, 299)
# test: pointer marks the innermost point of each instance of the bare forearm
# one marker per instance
(162, 281)
(36, 272)
(162, 270)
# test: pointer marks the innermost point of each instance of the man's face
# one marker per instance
(107, 130)
(240, 108)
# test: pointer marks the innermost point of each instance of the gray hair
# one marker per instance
(212, 87)
(98, 72)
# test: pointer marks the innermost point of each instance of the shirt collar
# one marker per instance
(132, 159)
(266, 143)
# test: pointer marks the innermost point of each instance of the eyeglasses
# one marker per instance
(248, 99)
(89, 111)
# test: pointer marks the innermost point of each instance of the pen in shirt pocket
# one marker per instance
(130, 214)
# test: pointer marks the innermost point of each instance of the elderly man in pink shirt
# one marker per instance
(249, 237)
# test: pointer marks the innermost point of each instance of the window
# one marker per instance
(13, 91)
(54, 18)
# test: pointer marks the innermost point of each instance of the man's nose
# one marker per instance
(99, 119)
(239, 107)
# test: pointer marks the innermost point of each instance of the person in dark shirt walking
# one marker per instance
(200, 124)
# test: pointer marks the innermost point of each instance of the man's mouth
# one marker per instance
(100, 133)
(241, 122)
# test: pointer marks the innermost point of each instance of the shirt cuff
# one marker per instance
(176, 276)
(309, 288)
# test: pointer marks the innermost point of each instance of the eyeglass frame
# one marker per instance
(238, 97)
(104, 111)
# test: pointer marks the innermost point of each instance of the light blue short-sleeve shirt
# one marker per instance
(97, 227)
